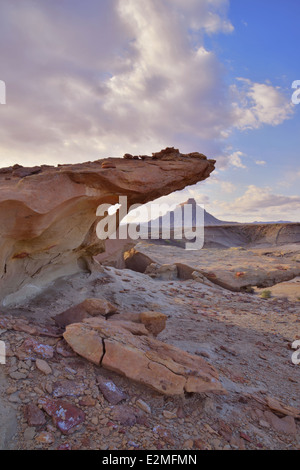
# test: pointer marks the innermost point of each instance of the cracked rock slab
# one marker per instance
(160, 366)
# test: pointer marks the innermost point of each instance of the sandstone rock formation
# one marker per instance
(236, 269)
(87, 308)
(129, 351)
(48, 214)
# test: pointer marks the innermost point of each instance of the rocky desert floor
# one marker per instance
(245, 337)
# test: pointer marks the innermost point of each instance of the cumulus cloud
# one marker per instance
(86, 80)
(257, 104)
(258, 200)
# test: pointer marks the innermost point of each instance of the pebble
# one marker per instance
(169, 414)
(29, 433)
(18, 375)
(14, 398)
(45, 438)
(43, 366)
(143, 406)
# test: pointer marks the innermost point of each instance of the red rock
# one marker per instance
(21, 325)
(64, 388)
(164, 434)
(49, 331)
(65, 446)
(110, 391)
(32, 349)
(34, 415)
(64, 349)
(45, 438)
(128, 416)
(65, 416)
(245, 437)
(200, 444)
(87, 401)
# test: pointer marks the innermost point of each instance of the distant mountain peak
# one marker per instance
(175, 216)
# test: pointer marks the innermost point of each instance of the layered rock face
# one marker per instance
(48, 214)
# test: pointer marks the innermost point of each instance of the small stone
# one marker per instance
(143, 405)
(169, 414)
(128, 415)
(22, 365)
(14, 398)
(95, 420)
(32, 349)
(200, 444)
(155, 322)
(45, 438)
(34, 416)
(65, 416)
(17, 375)
(188, 444)
(65, 446)
(87, 401)
(29, 433)
(209, 406)
(49, 388)
(43, 366)
(245, 437)
(264, 424)
(63, 388)
(110, 391)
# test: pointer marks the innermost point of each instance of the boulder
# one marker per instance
(162, 367)
(155, 322)
(87, 308)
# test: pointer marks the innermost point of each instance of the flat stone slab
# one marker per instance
(162, 367)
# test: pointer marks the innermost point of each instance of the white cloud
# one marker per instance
(257, 104)
(235, 159)
(228, 187)
(260, 162)
(258, 200)
(227, 160)
(92, 79)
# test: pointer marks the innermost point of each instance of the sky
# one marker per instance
(100, 78)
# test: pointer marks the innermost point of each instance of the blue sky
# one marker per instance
(87, 80)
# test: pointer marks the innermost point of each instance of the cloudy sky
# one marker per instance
(97, 78)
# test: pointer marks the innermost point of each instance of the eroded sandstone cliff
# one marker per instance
(48, 214)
